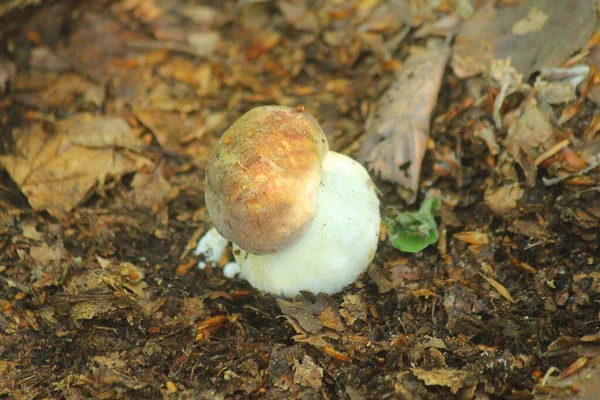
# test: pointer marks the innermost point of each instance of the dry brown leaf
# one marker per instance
(90, 309)
(379, 276)
(167, 97)
(203, 43)
(201, 14)
(574, 368)
(297, 15)
(172, 129)
(151, 189)
(530, 135)
(499, 287)
(582, 385)
(451, 378)
(476, 238)
(504, 198)
(535, 34)
(59, 91)
(45, 254)
(330, 318)
(96, 132)
(99, 37)
(301, 312)
(353, 309)
(308, 373)
(396, 138)
(56, 173)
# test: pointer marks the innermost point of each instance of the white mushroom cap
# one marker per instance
(338, 244)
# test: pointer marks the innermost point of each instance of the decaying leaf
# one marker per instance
(452, 378)
(152, 189)
(396, 138)
(581, 383)
(504, 198)
(353, 309)
(308, 373)
(499, 287)
(59, 91)
(535, 34)
(313, 316)
(509, 80)
(57, 170)
(529, 135)
(558, 85)
(474, 238)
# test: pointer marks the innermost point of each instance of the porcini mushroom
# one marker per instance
(300, 217)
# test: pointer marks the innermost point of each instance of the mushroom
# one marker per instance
(300, 217)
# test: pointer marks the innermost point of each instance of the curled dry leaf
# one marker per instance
(558, 85)
(396, 138)
(476, 238)
(499, 287)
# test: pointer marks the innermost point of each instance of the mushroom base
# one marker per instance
(338, 245)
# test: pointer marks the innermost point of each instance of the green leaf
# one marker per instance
(413, 231)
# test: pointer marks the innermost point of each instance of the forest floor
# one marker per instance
(109, 110)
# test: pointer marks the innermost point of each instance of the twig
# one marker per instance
(594, 162)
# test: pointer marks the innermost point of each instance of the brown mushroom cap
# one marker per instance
(262, 178)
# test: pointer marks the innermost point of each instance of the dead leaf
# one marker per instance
(308, 373)
(583, 385)
(90, 309)
(330, 318)
(56, 173)
(45, 254)
(559, 85)
(152, 189)
(574, 368)
(210, 325)
(201, 14)
(396, 138)
(451, 378)
(499, 288)
(204, 43)
(99, 37)
(530, 135)
(67, 90)
(302, 313)
(380, 278)
(509, 80)
(191, 309)
(30, 230)
(98, 132)
(535, 34)
(353, 309)
(504, 199)
(436, 343)
(298, 15)
(475, 238)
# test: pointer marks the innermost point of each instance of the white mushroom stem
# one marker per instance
(338, 245)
